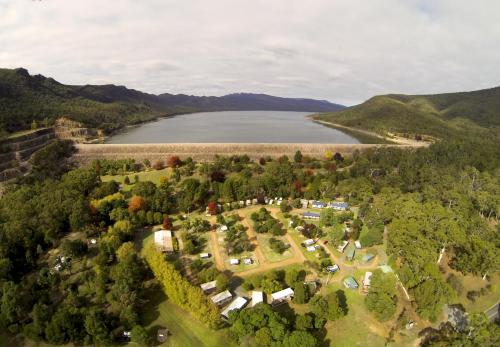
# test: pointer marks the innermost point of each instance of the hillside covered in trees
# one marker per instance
(24, 98)
(441, 115)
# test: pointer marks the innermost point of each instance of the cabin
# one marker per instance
(332, 268)
(242, 203)
(350, 254)
(367, 280)
(339, 206)
(357, 244)
(257, 297)
(234, 261)
(282, 296)
(204, 255)
(318, 204)
(270, 201)
(310, 248)
(350, 282)
(310, 215)
(309, 242)
(208, 286)
(236, 304)
(304, 203)
(222, 298)
(248, 261)
(223, 228)
(342, 246)
(368, 257)
(385, 268)
(163, 240)
(248, 202)
(255, 201)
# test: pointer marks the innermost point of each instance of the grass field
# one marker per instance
(152, 175)
(185, 331)
(271, 255)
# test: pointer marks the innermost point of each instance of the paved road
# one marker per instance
(493, 312)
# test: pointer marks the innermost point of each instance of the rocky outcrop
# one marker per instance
(68, 129)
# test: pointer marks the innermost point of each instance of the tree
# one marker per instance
(338, 157)
(126, 180)
(174, 161)
(301, 293)
(140, 336)
(167, 224)
(222, 281)
(158, 165)
(297, 157)
(212, 208)
(34, 125)
(382, 299)
(137, 203)
(97, 327)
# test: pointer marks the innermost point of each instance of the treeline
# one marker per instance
(179, 290)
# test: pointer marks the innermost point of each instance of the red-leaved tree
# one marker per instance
(174, 161)
(137, 203)
(212, 208)
(167, 223)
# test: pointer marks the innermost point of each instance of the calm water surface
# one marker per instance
(235, 127)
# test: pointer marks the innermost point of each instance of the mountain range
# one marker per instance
(24, 98)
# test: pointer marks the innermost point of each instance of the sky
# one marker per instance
(344, 51)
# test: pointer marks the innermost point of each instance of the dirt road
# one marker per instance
(219, 263)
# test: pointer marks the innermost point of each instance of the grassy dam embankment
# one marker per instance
(206, 151)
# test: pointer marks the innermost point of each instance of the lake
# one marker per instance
(233, 127)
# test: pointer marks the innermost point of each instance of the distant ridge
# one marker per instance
(439, 115)
(24, 98)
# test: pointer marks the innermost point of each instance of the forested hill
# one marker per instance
(24, 98)
(440, 115)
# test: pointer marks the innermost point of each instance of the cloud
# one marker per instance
(341, 50)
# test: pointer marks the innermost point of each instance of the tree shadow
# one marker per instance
(342, 300)
(150, 309)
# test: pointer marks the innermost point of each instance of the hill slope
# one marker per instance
(24, 97)
(440, 115)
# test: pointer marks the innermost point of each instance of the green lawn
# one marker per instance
(152, 175)
(358, 328)
(185, 331)
(271, 255)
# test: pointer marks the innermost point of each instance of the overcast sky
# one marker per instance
(343, 51)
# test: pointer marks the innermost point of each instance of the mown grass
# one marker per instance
(272, 256)
(154, 176)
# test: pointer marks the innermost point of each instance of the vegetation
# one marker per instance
(443, 116)
(381, 298)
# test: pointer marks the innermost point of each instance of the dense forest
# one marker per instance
(445, 197)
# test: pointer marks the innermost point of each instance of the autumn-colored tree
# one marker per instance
(262, 161)
(212, 208)
(174, 161)
(158, 165)
(297, 185)
(137, 203)
(167, 223)
(338, 157)
(218, 176)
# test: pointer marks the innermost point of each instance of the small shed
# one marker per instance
(282, 296)
(208, 286)
(223, 228)
(236, 304)
(357, 244)
(350, 282)
(222, 298)
(310, 248)
(204, 255)
(162, 335)
(304, 203)
(257, 297)
(248, 261)
(234, 261)
(248, 202)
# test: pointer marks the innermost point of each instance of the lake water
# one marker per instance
(233, 127)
